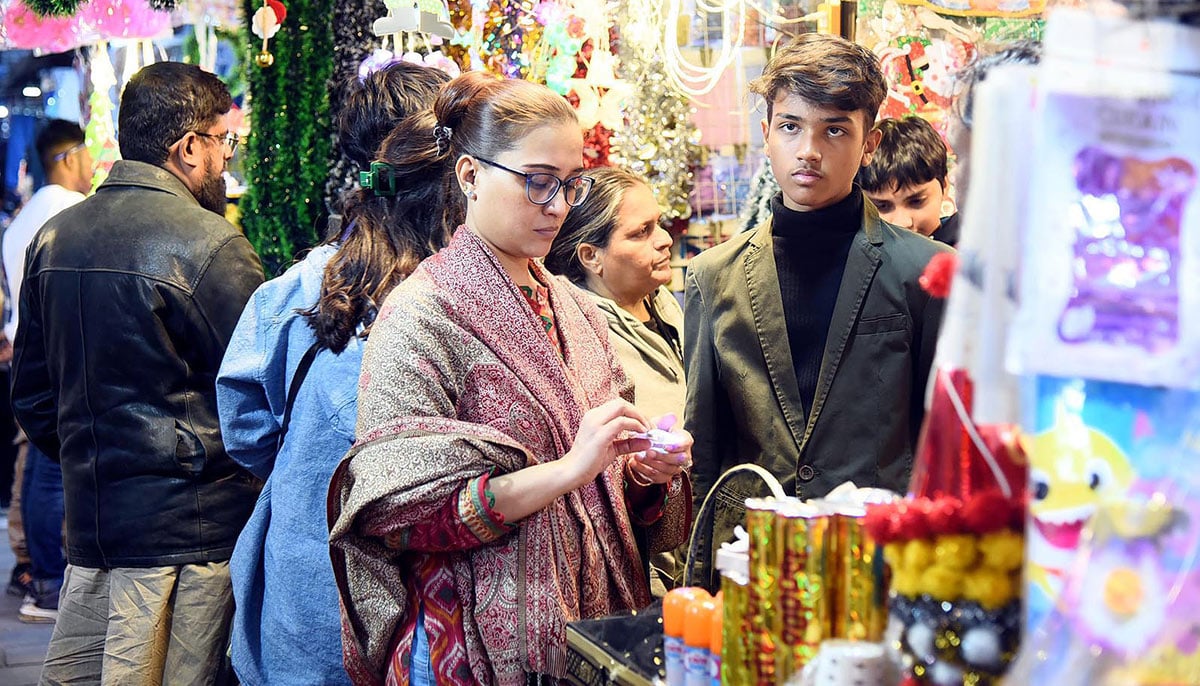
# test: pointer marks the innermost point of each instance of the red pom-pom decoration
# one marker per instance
(985, 512)
(938, 274)
(945, 516)
(878, 524)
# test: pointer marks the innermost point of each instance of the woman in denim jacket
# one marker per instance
(286, 626)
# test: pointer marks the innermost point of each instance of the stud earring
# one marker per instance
(469, 192)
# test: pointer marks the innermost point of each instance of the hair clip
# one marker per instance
(441, 135)
(380, 179)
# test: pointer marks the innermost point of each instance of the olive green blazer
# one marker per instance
(743, 401)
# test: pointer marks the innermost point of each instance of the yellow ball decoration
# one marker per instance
(906, 582)
(918, 554)
(1002, 550)
(941, 583)
(956, 551)
(893, 555)
(990, 588)
(1124, 592)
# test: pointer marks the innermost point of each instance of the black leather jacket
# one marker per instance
(129, 300)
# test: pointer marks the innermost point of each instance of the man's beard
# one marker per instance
(211, 194)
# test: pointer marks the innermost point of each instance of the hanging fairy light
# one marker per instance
(698, 79)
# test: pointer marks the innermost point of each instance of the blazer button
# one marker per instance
(807, 473)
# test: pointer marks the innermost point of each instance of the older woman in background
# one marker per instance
(613, 247)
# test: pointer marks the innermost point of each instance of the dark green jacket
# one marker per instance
(743, 401)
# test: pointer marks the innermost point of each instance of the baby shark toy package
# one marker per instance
(1107, 337)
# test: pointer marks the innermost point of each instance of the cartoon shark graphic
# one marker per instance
(1072, 468)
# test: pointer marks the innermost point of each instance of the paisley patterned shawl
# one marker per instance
(459, 379)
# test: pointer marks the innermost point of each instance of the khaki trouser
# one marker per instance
(16, 527)
(158, 625)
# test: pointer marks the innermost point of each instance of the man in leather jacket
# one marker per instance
(127, 305)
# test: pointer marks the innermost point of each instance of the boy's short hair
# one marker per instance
(55, 137)
(910, 153)
(826, 70)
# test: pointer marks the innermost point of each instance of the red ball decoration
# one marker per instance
(938, 274)
(879, 523)
(985, 512)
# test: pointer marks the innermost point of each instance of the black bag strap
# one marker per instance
(294, 390)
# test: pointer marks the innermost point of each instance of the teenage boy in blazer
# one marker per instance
(809, 340)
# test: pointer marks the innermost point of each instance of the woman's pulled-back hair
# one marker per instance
(388, 235)
(487, 115)
(591, 223)
(376, 104)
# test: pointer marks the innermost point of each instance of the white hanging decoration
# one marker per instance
(430, 17)
(601, 93)
(265, 24)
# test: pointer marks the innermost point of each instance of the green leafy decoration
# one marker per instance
(290, 148)
(54, 8)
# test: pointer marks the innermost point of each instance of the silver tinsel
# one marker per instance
(659, 140)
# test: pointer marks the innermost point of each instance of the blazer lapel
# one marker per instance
(861, 264)
(766, 304)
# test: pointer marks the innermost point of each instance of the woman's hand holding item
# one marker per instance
(662, 462)
(599, 440)
(597, 445)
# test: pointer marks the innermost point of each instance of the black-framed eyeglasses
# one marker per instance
(69, 151)
(541, 187)
(229, 139)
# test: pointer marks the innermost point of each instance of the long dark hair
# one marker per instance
(388, 235)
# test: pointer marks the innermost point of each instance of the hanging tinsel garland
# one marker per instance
(659, 139)
(289, 151)
(353, 41)
(68, 8)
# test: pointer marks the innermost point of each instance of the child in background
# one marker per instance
(907, 178)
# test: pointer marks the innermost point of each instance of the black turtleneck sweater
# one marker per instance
(810, 257)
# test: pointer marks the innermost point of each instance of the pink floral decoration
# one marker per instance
(27, 30)
(124, 19)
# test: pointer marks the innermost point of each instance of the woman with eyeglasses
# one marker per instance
(497, 482)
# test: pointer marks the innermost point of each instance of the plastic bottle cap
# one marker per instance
(675, 605)
(698, 624)
(718, 622)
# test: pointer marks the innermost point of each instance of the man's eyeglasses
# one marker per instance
(541, 187)
(68, 152)
(229, 138)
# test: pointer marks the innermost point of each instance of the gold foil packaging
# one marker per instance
(814, 574)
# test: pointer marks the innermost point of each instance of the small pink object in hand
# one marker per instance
(660, 440)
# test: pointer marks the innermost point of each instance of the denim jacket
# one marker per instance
(286, 627)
